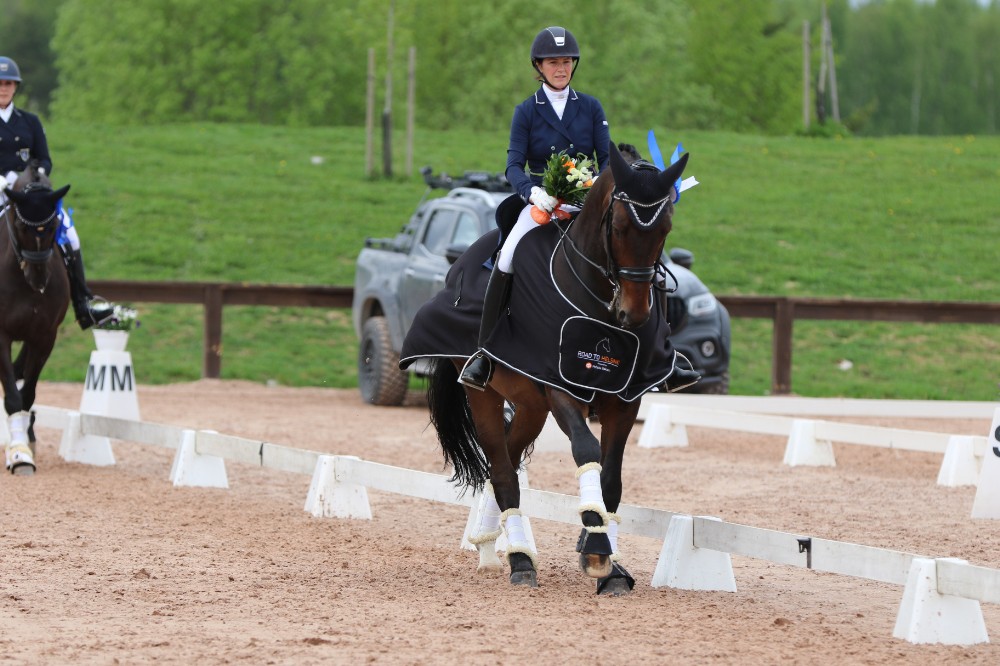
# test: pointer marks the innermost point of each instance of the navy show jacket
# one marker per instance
(536, 132)
(21, 140)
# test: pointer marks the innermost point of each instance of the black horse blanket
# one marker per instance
(542, 335)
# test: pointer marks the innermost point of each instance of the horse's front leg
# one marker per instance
(617, 419)
(594, 545)
(18, 455)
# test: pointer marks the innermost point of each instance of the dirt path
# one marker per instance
(115, 565)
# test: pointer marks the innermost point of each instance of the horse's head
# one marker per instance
(638, 218)
(32, 219)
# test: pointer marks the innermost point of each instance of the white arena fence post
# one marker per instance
(659, 429)
(191, 468)
(684, 566)
(804, 449)
(80, 448)
(927, 616)
(959, 466)
(987, 503)
(331, 497)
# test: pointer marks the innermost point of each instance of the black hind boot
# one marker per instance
(478, 371)
(87, 315)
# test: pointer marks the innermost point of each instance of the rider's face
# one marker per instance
(557, 71)
(7, 90)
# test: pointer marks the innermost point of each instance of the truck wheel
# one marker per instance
(379, 378)
(720, 388)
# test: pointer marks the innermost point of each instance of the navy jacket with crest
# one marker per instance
(23, 139)
(536, 132)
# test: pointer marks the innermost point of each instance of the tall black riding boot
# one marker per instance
(478, 371)
(86, 314)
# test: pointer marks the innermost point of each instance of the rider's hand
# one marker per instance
(542, 199)
(11, 178)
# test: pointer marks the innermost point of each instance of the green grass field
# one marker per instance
(905, 217)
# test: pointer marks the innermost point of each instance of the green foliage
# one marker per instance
(26, 28)
(905, 66)
(912, 218)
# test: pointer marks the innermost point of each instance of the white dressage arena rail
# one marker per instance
(941, 598)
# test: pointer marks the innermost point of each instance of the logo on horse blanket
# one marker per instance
(542, 334)
(595, 355)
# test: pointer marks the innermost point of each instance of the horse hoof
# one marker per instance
(489, 568)
(613, 587)
(528, 578)
(594, 565)
(23, 469)
(617, 584)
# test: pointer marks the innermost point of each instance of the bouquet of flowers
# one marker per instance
(123, 319)
(568, 180)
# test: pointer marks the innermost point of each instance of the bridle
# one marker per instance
(40, 228)
(611, 271)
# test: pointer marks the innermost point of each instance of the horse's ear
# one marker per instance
(60, 193)
(619, 167)
(670, 175)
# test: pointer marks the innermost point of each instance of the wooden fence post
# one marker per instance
(781, 371)
(213, 331)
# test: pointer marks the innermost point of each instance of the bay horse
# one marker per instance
(605, 265)
(34, 297)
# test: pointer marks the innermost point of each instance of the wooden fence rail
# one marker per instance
(781, 310)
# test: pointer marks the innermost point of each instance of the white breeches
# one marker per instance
(523, 225)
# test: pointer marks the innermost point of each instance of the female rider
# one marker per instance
(555, 118)
(22, 139)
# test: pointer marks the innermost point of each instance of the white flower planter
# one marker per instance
(110, 340)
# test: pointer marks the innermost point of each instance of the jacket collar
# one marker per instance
(549, 115)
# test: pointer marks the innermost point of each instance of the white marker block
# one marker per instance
(332, 498)
(659, 430)
(685, 567)
(804, 449)
(987, 504)
(959, 467)
(110, 386)
(87, 449)
(927, 616)
(191, 468)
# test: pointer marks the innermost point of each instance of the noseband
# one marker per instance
(42, 227)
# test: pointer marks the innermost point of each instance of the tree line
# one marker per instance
(903, 66)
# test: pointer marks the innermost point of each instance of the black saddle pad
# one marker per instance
(596, 355)
(541, 333)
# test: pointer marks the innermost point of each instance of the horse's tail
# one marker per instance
(451, 416)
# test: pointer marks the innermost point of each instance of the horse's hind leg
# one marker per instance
(503, 452)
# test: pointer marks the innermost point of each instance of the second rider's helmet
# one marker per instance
(9, 70)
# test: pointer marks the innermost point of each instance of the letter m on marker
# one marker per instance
(123, 382)
(95, 380)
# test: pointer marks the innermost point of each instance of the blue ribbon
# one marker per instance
(654, 152)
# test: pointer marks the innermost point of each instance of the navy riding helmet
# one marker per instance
(555, 42)
(9, 70)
